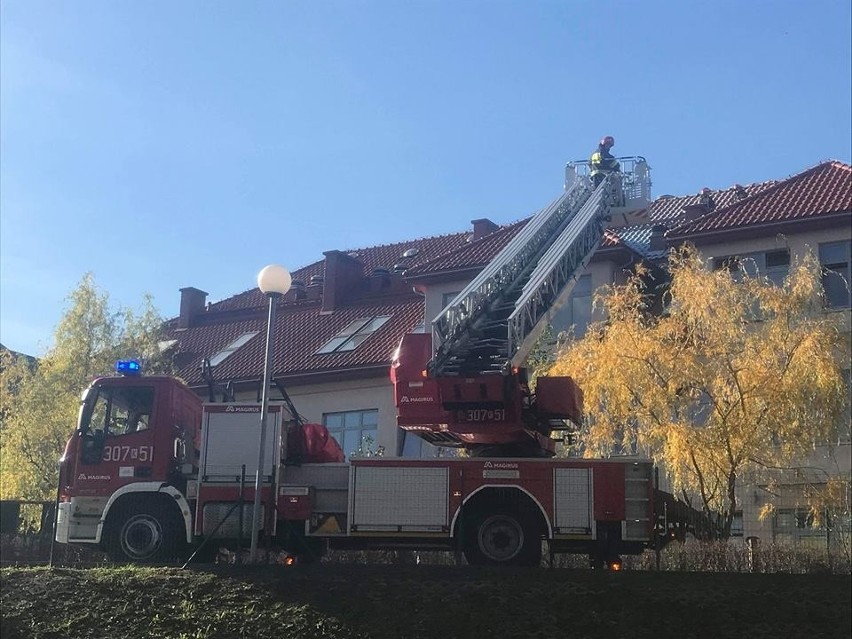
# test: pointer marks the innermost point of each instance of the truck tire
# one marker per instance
(145, 534)
(502, 539)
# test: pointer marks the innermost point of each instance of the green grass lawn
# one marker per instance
(343, 601)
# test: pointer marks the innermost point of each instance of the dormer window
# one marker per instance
(231, 348)
(354, 334)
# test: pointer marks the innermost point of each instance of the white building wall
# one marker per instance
(797, 243)
(367, 394)
(371, 393)
(434, 296)
(603, 274)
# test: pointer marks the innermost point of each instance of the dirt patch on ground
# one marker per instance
(344, 601)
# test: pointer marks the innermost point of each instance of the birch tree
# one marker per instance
(40, 403)
(735, 376)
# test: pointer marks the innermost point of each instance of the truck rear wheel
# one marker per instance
(145, 534)
(502, 539)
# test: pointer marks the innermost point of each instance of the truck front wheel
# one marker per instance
(146, 534)
(502, 539)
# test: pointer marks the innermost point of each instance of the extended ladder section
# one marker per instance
(494, 322)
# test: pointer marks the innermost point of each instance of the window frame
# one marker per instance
(446, 298)
(844, 272)
(111, 405)
(800, 528)
(348, 424)
(737, 525)
(353, 335)
(235, 345)
(755, 264)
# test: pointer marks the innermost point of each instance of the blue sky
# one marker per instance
(161, 144)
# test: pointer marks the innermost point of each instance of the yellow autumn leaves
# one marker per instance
(735, 374)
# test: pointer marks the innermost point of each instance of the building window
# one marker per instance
(737, 524)
(844, 431)
(231, 348)
(797, 526)
(834, 257)
(446, 298)
(577, 311)
(353, 335)
(774, 265)
(165, 345)
(356, 431)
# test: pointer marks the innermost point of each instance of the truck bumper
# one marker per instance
(63, 515)
(78, 520)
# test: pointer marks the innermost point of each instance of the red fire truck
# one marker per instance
(148, 488)
(152, 471)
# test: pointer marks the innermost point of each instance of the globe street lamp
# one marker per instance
(273, 281)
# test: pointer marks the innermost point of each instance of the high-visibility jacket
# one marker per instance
(603, 161)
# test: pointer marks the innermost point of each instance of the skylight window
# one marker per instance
(166, 344)
(231, 348)
(353, 335)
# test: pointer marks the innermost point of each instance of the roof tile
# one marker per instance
(820, 190)
(298, 334)
(668, 208)
(384, 256)
(472, 255)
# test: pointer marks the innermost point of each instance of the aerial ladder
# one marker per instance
(465, 385)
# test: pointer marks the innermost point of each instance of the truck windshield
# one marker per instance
(117, 410)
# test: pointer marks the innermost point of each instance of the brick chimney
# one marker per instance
(192, 302)
(658, 238)
(483, 227)
(694, 211)
(344, 275)
(298, 291)
(380, 280)
(314, 287)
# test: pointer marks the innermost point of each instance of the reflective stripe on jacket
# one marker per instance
(603, 162)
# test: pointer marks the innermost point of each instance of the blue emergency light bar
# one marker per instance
(128, 367)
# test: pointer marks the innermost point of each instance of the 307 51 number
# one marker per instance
(128, 453)
(484, 415)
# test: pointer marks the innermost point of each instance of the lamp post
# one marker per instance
(273, 281)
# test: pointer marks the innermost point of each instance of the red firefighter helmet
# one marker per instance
(607, 141)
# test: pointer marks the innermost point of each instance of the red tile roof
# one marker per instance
(472, 255)
(822, 190)
(301, 329)
(299, 333)
(664, 210)
(384, 256)
(667, 208)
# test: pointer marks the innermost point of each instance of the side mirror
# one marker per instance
(179, 449)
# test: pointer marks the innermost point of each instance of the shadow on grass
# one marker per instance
(344, 601)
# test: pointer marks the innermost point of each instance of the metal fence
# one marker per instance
(26, 530)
